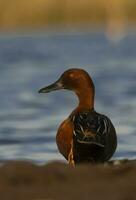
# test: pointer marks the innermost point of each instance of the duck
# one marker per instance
(85, 136)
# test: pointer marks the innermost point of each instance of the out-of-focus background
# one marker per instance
(40, 39)
(115, 16)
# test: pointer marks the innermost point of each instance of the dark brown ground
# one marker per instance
(58, 181)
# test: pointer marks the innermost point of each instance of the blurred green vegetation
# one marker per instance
(45, 13)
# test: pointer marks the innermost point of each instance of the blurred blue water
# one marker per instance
(29, 121)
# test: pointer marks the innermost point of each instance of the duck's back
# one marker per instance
(94, 137)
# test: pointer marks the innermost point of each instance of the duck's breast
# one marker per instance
(64, 137)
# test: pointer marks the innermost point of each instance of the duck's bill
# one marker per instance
(55, 86)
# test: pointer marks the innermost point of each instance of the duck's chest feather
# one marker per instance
(64, 137)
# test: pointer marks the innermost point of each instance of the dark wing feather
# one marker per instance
(94, 137)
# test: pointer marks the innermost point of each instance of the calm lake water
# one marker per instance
(29, 121)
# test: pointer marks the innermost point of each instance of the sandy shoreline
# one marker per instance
(22, 180)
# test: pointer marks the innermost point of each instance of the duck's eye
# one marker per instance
(71, 75)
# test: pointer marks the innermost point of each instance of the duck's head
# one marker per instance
(72, 79)
(77, 80)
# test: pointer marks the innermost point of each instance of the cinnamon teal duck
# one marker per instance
(85, 136)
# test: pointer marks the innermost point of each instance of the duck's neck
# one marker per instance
(86, 98)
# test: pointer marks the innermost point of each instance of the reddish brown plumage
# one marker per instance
(64, 137)
(80, 82)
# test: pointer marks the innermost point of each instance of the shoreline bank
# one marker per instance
(56, 180)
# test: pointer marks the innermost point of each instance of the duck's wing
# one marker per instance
(94, 131)
(90, 128)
